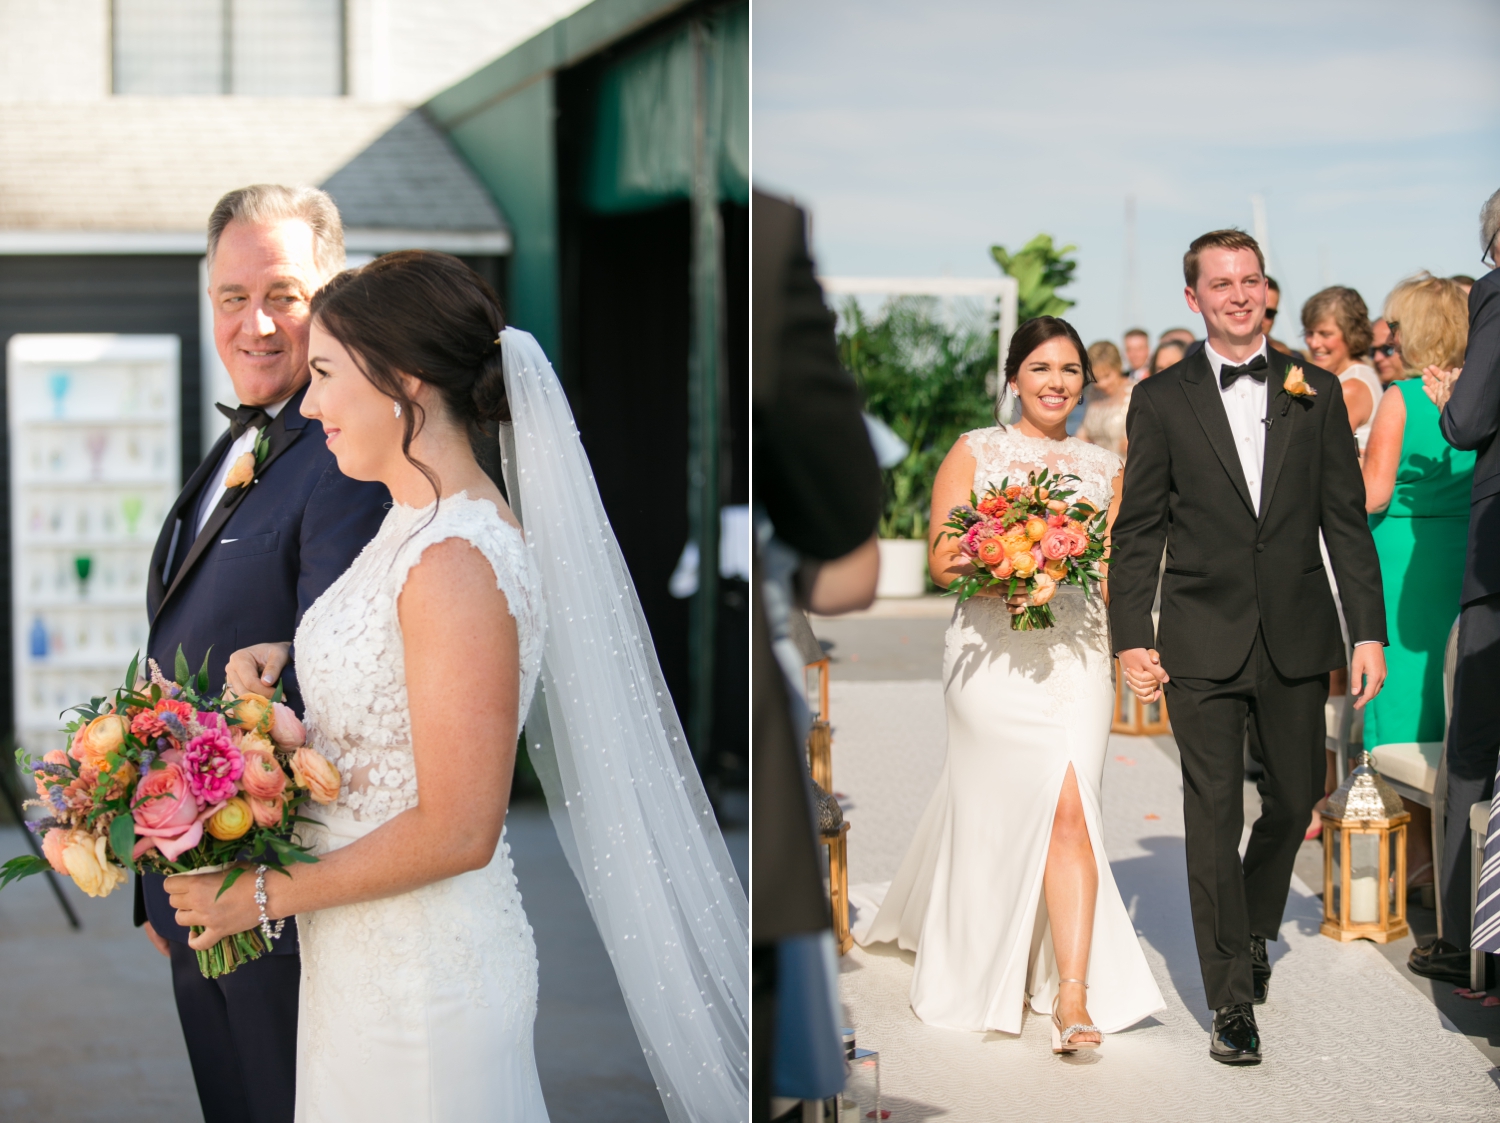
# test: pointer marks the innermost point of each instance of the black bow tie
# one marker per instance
(251, 417)
(1256, 368)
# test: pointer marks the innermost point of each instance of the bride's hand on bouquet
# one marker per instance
(194, 898)
(255, 670)
(1018, 603)
(1143, 672)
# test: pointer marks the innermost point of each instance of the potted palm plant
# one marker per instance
(930, 379)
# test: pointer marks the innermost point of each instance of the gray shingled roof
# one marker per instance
(137, 164)
(412, 172)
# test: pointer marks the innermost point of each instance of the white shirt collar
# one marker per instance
(1216, 361)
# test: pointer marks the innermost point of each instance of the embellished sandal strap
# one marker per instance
(1080, 982)
(1068, 1033)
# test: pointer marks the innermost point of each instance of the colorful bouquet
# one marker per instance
(1031, 538)
(166, 779)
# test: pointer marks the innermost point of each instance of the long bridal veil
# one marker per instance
(622, 789)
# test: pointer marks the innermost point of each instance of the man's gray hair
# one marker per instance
(271, 202)
(1489, 224)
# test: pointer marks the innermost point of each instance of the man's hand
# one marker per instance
(1438, 383)
(158, 941)
(1143, 672)
(1366, 672)
(254, 670)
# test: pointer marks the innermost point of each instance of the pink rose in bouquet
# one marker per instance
(166, 813)
(1056, 543)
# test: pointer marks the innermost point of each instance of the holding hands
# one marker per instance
(1144, 672)
(1439, 384)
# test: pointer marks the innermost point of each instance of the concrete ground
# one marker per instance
(903, 640)
(89, 1031)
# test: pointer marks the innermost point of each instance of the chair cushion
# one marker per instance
(1479, 819)
(1413, 763)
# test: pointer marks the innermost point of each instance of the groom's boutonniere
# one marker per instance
(1295, 385)
(242, 473)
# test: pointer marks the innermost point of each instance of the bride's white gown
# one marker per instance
(1022, 707)
(417, 1007)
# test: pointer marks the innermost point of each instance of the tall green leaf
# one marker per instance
(181, 672)
(1040, 269)
(122, 839)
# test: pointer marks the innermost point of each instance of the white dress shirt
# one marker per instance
(1245, 403)
(244, 444)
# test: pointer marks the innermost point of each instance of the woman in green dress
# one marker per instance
(1417, 492)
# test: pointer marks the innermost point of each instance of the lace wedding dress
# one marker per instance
(417, 1007)
(1022, 706)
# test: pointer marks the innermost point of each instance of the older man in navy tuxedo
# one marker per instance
(237, 564)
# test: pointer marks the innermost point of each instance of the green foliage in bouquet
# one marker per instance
(1040, 269)
(930, 381)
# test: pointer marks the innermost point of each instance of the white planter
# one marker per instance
(903, 568)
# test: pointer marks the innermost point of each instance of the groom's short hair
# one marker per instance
(1218, 240)
(271, 202)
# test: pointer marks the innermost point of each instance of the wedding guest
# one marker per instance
(1137, 354)
(1385, 352)
(1177, 335)
(1471, 420)
(1273, 302)
(1168, 353)
(1336, 325)
(1104, 416)
(817, 480)
(1463, 281)
(1417, 492)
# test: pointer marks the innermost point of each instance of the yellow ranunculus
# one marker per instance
(1036, 527)
(231, 821)
(1056, 570)
(87, 859)
(1023, 564)
(95, 741)
(251, 709)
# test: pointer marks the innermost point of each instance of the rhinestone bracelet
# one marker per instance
(266, 929)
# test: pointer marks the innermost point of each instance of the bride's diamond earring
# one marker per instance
(398, 408)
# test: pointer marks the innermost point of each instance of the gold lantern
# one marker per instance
(1364, 859)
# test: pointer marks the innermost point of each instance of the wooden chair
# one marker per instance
(820, 765)
(1418, 770)
(1479, 826)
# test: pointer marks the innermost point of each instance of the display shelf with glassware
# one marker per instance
(93, 470)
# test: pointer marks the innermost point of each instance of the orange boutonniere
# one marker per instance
(1295, 386)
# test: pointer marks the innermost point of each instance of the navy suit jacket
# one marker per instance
(266, 553)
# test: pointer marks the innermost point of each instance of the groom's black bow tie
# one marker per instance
(253, 417)
(1256, 368)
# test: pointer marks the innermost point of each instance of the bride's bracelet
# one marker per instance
(266, 929)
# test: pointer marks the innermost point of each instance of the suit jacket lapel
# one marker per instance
(1278, 427)
(1203, 394)
(281, 434)
(178, 519)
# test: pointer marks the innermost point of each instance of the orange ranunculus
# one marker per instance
(1036, 527)
(990, 551)
(232, 820)
(93, 743)
(1045, 589)
(1013, 492)
(263, 777)
(1057, 506)
(1057, 569)
(267, 812)
(992, 506)
(1023, 565)
(1003, 568)
(252, 710)
(317, 774)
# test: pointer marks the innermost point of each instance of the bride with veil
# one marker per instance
(466, 619)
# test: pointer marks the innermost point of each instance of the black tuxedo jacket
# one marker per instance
(266, 553)
(1228, 571)
(1470, 421)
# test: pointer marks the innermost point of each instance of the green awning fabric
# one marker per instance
(643, 138)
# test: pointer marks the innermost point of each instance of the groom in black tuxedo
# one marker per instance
(1239, 456)
(238, 565)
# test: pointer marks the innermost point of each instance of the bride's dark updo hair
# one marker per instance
(1031, 335)
(430, 316)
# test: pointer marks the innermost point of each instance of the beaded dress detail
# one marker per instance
(418, 1006)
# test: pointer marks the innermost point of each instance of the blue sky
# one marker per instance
(921, 133)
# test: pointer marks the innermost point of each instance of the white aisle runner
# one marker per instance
(1346, 1038)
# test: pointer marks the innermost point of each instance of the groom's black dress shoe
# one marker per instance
(1236, 1038)
(1440, 960)
(1260, 968)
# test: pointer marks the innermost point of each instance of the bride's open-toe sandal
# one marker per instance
(1062, 1038)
